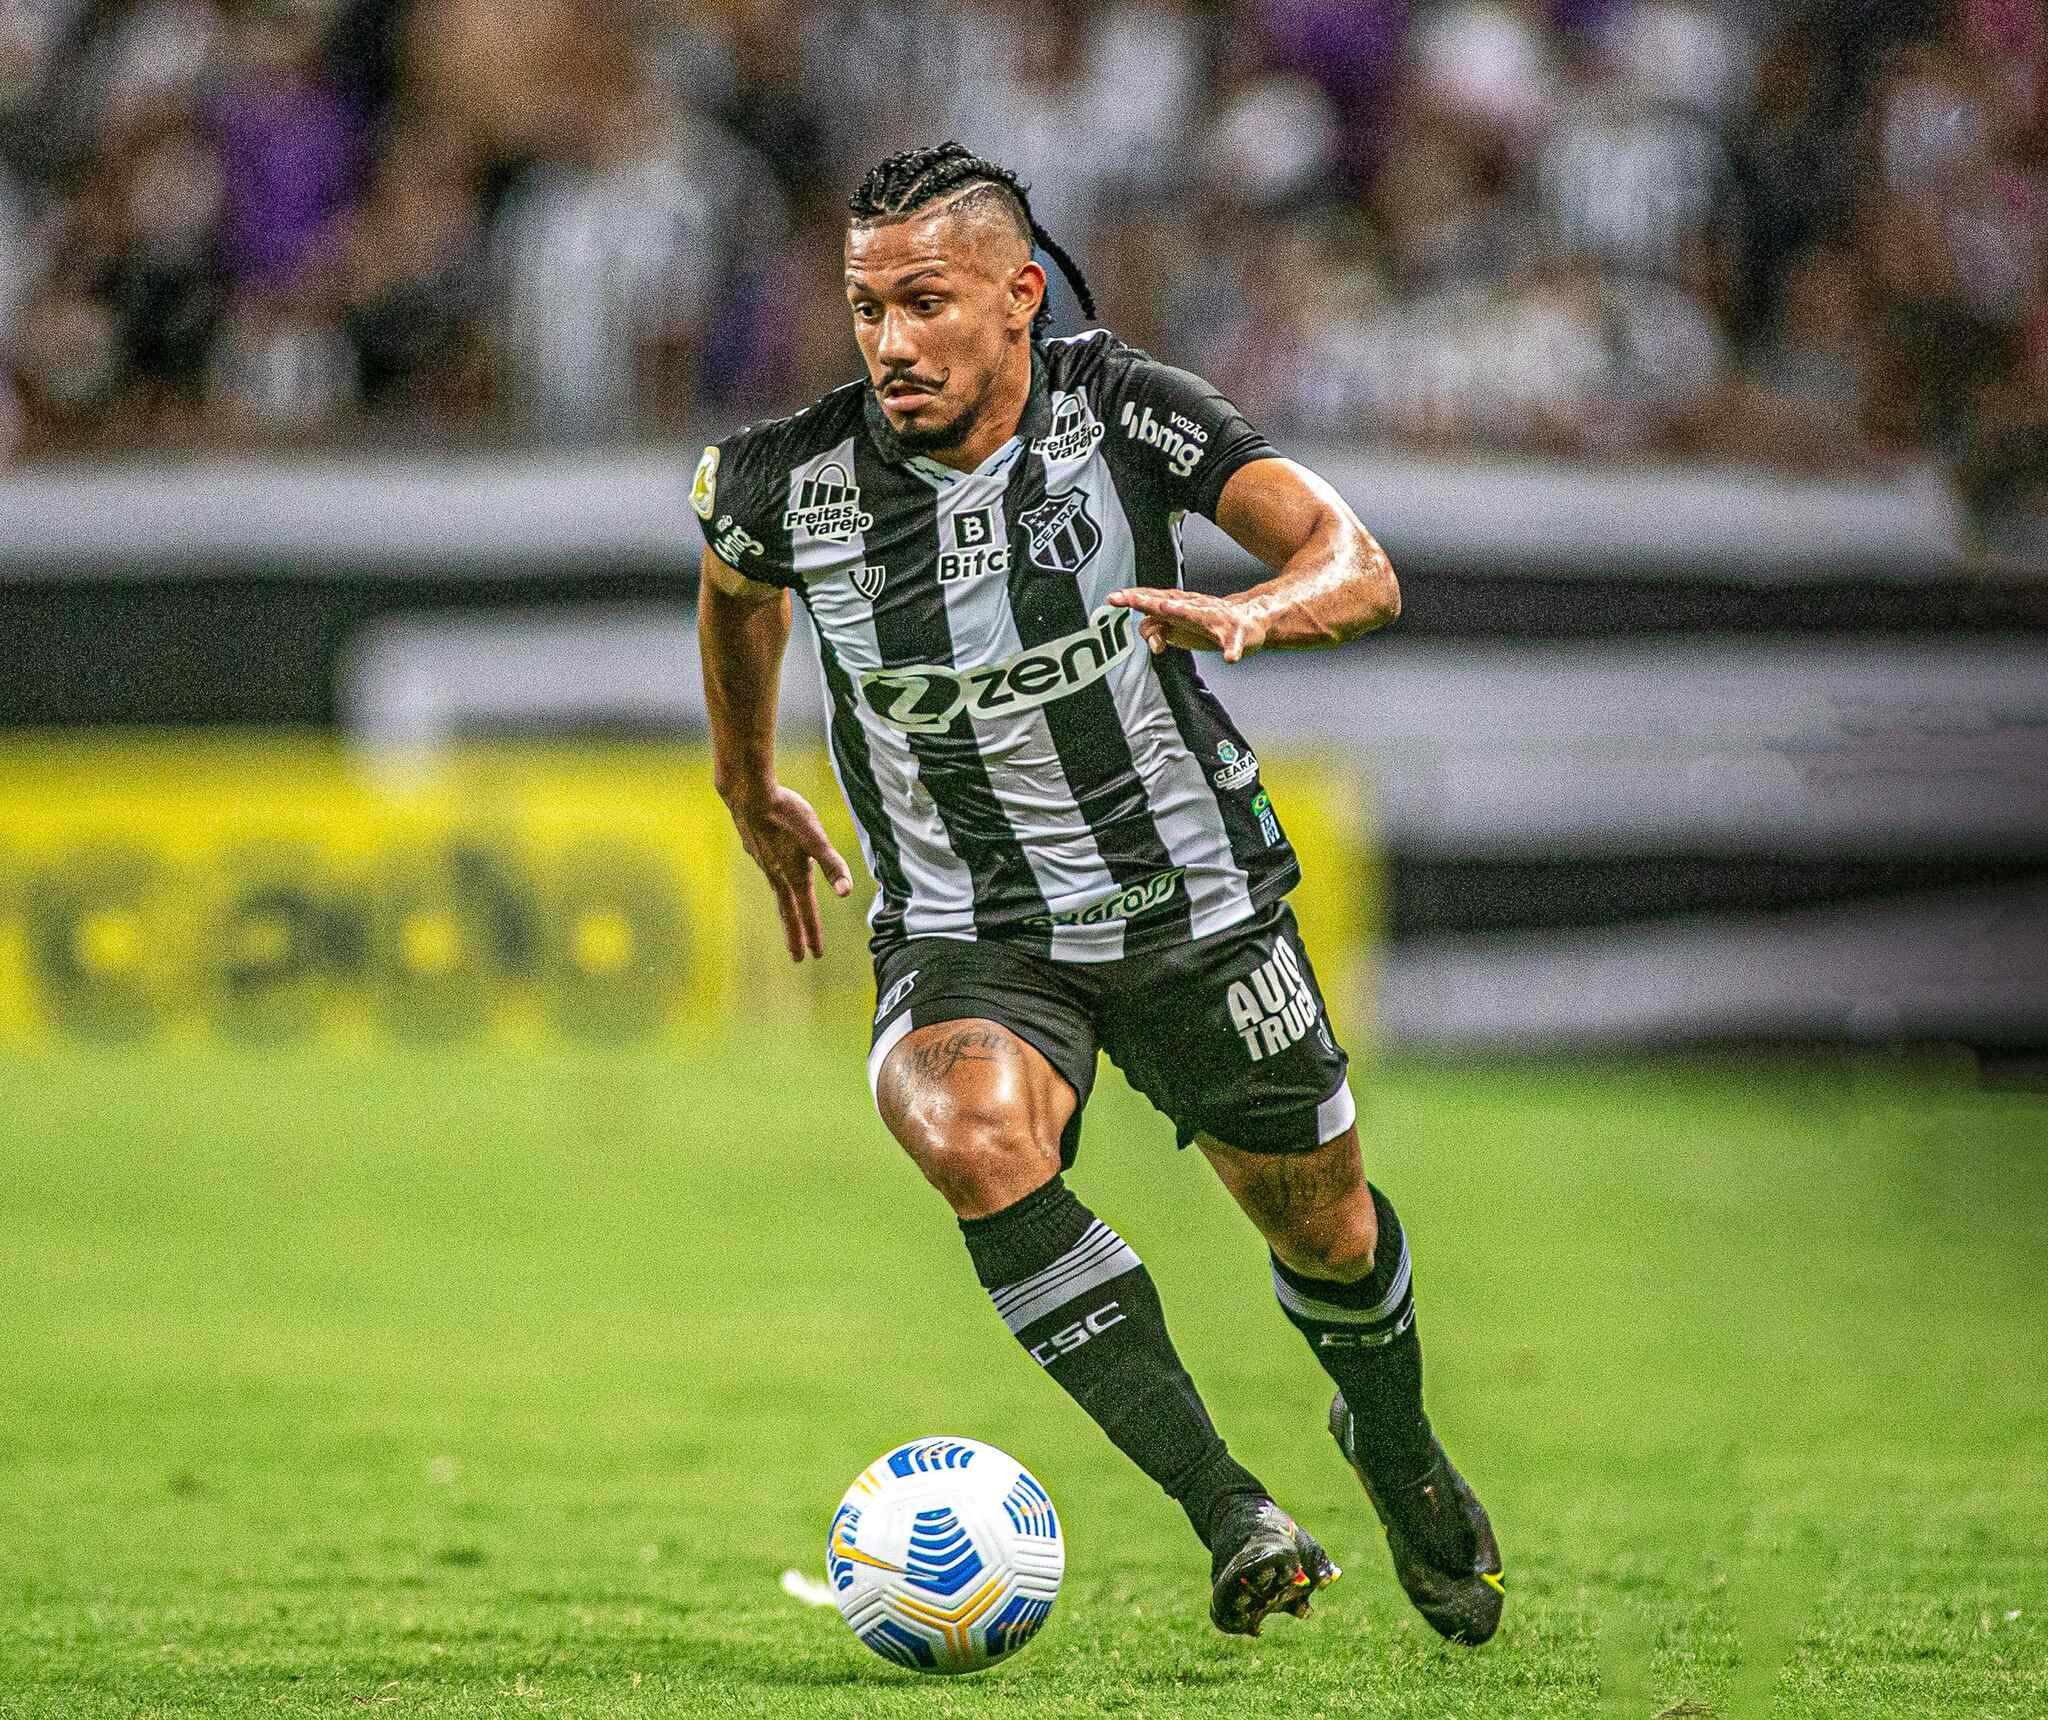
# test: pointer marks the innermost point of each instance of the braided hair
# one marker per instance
(919, 177)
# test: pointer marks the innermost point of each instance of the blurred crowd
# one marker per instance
(1809, 234)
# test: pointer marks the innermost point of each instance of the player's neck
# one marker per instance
(998, 420)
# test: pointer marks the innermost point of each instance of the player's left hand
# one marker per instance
(1193, 621)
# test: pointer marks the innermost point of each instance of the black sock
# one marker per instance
(1080, 1301)
(1364, 1335)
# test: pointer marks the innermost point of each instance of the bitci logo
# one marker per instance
(977, 547)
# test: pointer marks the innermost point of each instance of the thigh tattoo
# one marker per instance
(938, 1058)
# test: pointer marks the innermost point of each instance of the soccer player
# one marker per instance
(1071, 843)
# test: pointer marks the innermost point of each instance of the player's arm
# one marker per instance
(1333, 583)
(742, 630)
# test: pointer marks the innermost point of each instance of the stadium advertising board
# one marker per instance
(218, 892)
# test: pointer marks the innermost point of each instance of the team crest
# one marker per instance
(1062, 534)
(828, 505)
(868, 579)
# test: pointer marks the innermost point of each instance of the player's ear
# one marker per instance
(1027, 293)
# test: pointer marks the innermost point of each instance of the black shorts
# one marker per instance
(1226, 1035)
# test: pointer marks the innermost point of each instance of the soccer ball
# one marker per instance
(945, 1555)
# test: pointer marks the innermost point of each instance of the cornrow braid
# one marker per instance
(908, 182)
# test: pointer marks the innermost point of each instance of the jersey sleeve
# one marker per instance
(738, 496)
(1178, 430)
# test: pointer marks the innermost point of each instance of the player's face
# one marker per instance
(938, 306)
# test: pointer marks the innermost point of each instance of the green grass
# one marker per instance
(432, 1388)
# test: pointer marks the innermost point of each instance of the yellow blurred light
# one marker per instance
(602, 941)
(264, 943)
(108, 940)
(431, 942)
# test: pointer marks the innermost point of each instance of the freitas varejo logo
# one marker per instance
(1073, 431)
(828, 506)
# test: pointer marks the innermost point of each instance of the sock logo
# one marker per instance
(1345, 1339)
(1070, 1338)
(1274, 1007)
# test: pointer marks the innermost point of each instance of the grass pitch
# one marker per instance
(431, 1388)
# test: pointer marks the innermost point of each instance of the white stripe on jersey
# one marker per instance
(1177, 789)
(941, 888)
(1024, 765)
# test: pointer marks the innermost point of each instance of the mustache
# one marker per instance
(909, 376)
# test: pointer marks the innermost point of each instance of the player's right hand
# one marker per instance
(783, 835)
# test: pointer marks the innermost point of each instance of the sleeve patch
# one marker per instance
(704, 489)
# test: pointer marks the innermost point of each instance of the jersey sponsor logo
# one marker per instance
(828, 506)
(1127, 904)
(1274, 1006)
(1183, 452)
(1063, 535)
(734, 541)
(925, 699)
(1073, 432)
(893, 998)
(869, 578)
(1238, 768)
(1071, 1338)
(704, 487)
(975, 549)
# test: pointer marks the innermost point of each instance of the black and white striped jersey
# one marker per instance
(1019, 764)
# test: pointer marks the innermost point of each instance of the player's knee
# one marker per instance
(1341, 1249)
(980, 1157)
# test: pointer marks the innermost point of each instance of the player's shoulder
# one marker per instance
(781, 444)
(1165, 426)
(744, 476)
(1121, 380)
(1097, 359)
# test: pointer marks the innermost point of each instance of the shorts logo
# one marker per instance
(975, 549)
(1127, 904)
(925, 699)
(1073, 432)
(828, 506)
(1238, 768)
(869, 578)
(1273, 1008)
(894, 996)
(704, 487)
(734, 541)
(1063, 534)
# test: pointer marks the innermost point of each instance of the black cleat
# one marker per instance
(1444, 1551)
(1263, 1561)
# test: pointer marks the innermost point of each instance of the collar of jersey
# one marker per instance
(1037, 414)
